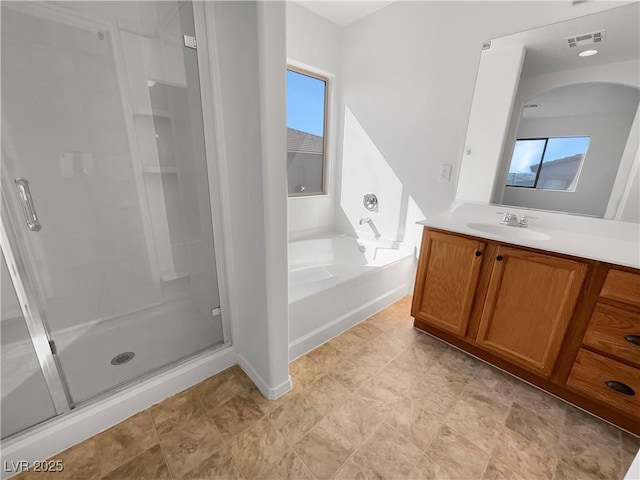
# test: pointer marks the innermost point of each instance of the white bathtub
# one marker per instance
(336, 281)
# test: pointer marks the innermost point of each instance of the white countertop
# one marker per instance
(593, 238)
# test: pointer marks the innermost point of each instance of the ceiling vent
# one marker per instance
(586, 39)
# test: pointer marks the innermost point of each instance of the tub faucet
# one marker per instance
(364, 220)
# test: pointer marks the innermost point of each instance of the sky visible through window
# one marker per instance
(305, 103)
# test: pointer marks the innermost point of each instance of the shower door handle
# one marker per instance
(28, 207)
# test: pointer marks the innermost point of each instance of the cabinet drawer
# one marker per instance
(616, 332)
(622, 286)
(590, 373)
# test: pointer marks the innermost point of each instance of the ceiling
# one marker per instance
(342, 13)
(547, 49)
(584, 99)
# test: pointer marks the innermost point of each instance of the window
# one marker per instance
(306, 129)
(547, 163)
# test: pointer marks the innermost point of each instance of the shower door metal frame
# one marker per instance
(34, 318)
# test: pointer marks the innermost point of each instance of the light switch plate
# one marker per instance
(445, 172)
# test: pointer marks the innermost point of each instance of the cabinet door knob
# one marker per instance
(499, 258)
(478, 253)
(620, 387)
(635, 339)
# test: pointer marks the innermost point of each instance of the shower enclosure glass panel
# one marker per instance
(24, 395)
(101, 114)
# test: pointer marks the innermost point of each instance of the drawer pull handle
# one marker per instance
(478, 253)
(620, 387)
(635, 339)
(499, 258)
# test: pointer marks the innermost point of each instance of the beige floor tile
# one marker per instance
(121, 443)
(289, 467)
(327, 356)
(374, 356)
(257, 448)
(224, 386)
(403, 381)
(565, 471)
(460, 361)
(353, 373)
(522, 456)
(78, 463)
(383, 321)
(428, 469)
(497, 471)
(581, 424)
(390, 453)
(219, 465)
(419, 357)
(445, 380)
(357, 467)
(377, 392)
(324, 449)
(235, 415)
(149, 465)
(355, 420)
(457, 455)
(408, 418)
(366, 331)
(347, 343)
(491, 382)
(540, 402)
(295, 418)
(381, 401)
(478, 419)
(326, 394)
(532, 426)
(190, 445)
(305, 371)
(629, 448)
(593, 456)
(176, 411)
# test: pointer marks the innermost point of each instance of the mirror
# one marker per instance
(553, 130)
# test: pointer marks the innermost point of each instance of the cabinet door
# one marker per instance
(446, 280)
(529, 304)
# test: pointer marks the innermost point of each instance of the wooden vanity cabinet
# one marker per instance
(446, 281)
(568, 325)
(528, 307)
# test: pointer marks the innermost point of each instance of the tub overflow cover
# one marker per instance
(370, 201)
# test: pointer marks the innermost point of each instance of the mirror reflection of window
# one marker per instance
(547, 163)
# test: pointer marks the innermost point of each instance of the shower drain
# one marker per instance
(122, 358)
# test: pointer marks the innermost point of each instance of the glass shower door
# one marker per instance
(102, 124)
(25, 395)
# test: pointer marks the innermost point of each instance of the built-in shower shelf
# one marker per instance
(151, 112)
(168, 277)
(159, 169)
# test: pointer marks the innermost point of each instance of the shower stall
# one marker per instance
(109, 270)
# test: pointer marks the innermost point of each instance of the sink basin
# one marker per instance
(507, 232)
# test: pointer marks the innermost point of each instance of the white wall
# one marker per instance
(254, 187)
(408, 74)
(314, 42)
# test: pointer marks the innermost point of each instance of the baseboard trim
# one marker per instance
(334, 328)
(59, 433)
(271, 393)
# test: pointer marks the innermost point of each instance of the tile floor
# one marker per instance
(381, 401)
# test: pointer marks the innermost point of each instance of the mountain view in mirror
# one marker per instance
(554, 122)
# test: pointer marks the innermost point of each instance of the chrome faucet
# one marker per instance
(364, 220)
(511, 220)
